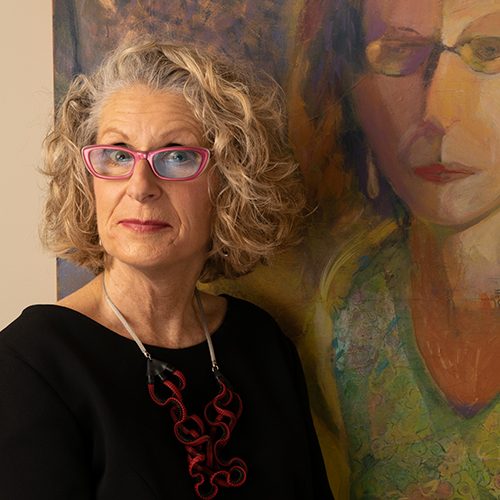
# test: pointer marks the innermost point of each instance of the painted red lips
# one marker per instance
(440, 174)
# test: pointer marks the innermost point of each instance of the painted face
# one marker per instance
(430, 104)
(145, 221)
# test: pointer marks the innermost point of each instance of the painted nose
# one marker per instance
(453, 92)
(143, 184)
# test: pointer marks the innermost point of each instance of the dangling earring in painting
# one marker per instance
(372, 186)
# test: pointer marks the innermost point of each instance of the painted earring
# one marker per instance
(372, 186)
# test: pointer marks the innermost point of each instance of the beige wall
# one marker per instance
(27, 274)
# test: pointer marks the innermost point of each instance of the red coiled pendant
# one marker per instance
(203, 440)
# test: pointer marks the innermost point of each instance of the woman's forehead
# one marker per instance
(446, 19)
(423, 18)
(137, 114)
(459, 15)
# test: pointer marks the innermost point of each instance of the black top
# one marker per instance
(77, 422)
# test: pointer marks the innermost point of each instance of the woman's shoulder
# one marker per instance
(39, 316)
(243, 304)
(253, 325)
(42, 325)
(242, 310)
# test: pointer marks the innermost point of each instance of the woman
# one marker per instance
(122, 389)
(417, 336)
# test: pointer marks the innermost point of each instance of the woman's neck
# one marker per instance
(160, 308)
(468, 260)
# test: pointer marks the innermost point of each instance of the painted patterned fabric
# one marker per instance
(405, 442)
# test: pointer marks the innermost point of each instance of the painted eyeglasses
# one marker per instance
(400, 57)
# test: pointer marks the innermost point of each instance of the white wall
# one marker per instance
(27, 274)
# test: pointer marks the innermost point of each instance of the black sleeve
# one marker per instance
(322, 489)
(42, 451)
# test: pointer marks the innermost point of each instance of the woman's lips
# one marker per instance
(439, 174)
(144, 226)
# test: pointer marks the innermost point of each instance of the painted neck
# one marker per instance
(467, 260)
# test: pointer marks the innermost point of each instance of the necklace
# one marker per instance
(165, 383)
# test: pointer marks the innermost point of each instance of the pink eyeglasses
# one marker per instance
(174, 163)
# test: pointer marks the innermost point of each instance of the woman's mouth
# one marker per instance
(144, 226)
(439, 174)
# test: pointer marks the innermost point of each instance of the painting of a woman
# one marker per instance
(417, 337)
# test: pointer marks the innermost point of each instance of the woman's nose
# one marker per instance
(143, 184)
(453, 92)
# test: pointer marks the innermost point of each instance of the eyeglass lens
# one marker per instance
(168, 163)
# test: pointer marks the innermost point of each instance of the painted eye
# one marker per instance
(397, 57)
(482, 53)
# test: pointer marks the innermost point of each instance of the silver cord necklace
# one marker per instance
(165, 383)
(141, 345)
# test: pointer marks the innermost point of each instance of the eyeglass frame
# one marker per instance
(148, 156)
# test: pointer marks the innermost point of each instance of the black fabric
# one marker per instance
(77, 422)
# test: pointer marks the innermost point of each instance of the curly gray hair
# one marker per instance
(259, 195)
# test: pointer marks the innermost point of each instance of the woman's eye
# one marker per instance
(486, 49)
(177, 163)
(482, 54)
(396, 57)
(119, 156)
(178, 156)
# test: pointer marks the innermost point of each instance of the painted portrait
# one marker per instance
(393, 295)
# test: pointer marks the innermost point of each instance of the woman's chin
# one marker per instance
(155, 264)
(455, 216)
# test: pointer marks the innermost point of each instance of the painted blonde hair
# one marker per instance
(259, 196)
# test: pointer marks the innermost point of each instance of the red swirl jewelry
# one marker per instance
(203, 440)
